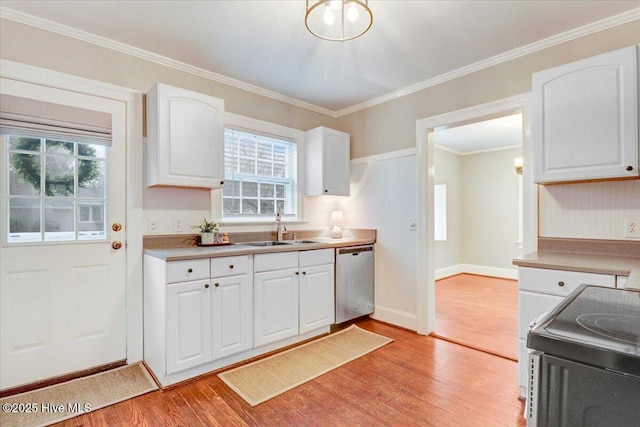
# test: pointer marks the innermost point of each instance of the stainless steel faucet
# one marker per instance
(281, 230)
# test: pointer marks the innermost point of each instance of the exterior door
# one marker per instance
(62, 254)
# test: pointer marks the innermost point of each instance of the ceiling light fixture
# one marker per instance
(338, 20)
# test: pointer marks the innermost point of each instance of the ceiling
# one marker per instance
(481, 136)
(264, 45)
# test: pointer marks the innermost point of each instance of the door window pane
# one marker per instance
(59, 176)
(24, 220)
(24, 174)
(91, 176)
(91, 221)
(59, 220)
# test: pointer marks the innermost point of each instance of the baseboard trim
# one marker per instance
(481, 270)
(399, 318)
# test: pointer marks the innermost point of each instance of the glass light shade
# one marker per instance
(353, 19)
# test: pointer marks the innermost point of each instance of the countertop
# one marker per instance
(589, 263)
(195, 252)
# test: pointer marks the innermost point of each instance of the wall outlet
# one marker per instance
(632, 229)
(177, 225)
(153, 226)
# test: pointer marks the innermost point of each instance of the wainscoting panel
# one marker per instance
(592, 210)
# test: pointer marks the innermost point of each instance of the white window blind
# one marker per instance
(38, 119)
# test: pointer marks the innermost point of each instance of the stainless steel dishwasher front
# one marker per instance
(354, 282)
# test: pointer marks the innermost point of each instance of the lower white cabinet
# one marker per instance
(232, 315)
(294, 295)
(317, 301)
(276, 310)
(540, 291)
(189, 331)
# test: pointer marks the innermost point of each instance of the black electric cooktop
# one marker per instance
(595, 325)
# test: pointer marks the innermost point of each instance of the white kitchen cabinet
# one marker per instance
(540, 291)
(231, 305)
(276, 305)
(189, 331)
(294, 295)
(185, 138)
(327, 162)
(232, 315)
(317, 300)
(585, 119)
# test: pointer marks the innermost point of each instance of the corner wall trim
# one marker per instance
(396, 317)
(481, 270)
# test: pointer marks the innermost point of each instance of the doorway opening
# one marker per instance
(477, 232)
(480, 266)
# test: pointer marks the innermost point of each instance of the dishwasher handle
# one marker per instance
(355, 251)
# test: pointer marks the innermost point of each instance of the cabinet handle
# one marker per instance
(297, 273)
(629, 168)
(561, 283)
(221, 182)
(190, 270)
(217, 285)
(326, 191)
(231, 266)
(206, 286)
(304, 272)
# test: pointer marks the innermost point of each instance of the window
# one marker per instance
(260, 176)
(440, 212)
(56, 190)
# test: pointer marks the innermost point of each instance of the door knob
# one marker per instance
(116, 244)
(116, 226)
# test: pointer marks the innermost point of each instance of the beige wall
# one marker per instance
(391, 126)
(489, 218)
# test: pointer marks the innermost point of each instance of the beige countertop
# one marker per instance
(589, 263)
(195, 252)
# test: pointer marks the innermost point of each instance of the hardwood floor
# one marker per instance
(479, 312)
(414, 381)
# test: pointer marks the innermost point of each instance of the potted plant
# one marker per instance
(208, 230)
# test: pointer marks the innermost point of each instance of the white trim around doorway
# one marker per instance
(425, 174)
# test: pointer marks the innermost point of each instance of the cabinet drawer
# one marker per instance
(317, 257)
(229, 266)
(275, 261)
(183, 271)
(558, 282)
(532, 305)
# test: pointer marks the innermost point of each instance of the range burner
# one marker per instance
(620, 327)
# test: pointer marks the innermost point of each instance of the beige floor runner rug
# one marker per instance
(269, 377)
(67, 400)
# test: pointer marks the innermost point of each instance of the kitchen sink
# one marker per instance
(265, 243)
(298, 242)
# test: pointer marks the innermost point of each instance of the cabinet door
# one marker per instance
(185, 138)
(327, 162)
(317, 298)
(188, 323)
(276, 305)
(232, 313)
(336, 168)
(585, 119)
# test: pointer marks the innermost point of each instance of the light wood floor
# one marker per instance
(414, 381)
(480, 312)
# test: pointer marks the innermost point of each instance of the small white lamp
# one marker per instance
(336, 220)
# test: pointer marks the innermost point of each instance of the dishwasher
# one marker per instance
(354, 282)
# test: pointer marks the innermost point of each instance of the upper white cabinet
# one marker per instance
(185, 138)
(585, 119)
(327, 162)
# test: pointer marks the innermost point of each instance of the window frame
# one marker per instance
(297, 136)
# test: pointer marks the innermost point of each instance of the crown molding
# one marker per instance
(585, 30)
(85, 36)
(54, 27)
